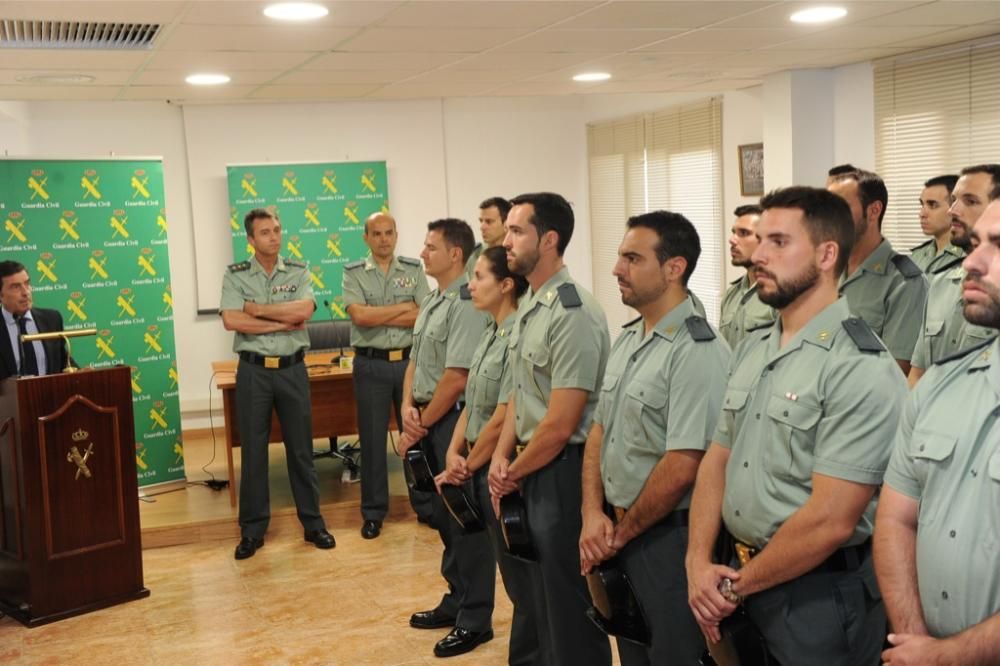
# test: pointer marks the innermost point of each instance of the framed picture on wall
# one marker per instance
(752, 169)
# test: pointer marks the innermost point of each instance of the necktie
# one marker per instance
(29, 362)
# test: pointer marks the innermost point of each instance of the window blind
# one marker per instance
(666, 160)
(935, 113)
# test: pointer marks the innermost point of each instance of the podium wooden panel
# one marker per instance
(69, 515)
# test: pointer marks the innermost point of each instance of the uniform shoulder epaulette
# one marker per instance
(629, 323)
(464, 293)
(409, 260)
(863, 335)
(906, 266)
(922, 245)
(478, 246)
(766, 324)
(295, 263)
(238, 267)
(965, 352)
(568, 295)
(948, 265)
(699, 329)
(354, 264)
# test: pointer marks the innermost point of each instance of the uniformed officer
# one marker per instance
(944, 331)
(801, 445)
(558, 351)
(742, 310)
(382, 294)
(937, 254)
(494, 290)
(446, 334)
(659, 403)
(267, 301)
(883, 287)
(492, 215)
(941, 581)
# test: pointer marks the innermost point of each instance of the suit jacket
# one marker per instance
(55, 350)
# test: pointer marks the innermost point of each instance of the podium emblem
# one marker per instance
(80, 460)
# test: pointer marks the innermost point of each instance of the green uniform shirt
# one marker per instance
(889, 293)
(945, 330)
(364, 283)
(661, 392)
(560, 341)
(699, 307)
(248, 281)
(470, 264)
(955, 475)
(489, 377)
(445, 335)
(930, 261)
(742, 311)
(819, 404)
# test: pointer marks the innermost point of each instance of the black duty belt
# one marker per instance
(384, 354)
(571, 449)
(459, 406)
(273, 362)
(844, 559)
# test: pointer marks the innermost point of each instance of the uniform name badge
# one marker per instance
(395, 354)
(272, 362)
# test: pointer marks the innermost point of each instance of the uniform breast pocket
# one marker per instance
(932, 454)
(488, 386)
(932, 334)
(373, 297)
(435, 335)
(404, 295)
(791, 454)
(993, 531)
(644, 411)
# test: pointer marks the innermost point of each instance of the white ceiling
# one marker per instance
(389, 49)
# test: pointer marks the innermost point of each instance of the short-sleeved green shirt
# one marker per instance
(818, 404)
(560, 341)
(470, 263)
(742, 311)
(661, 392)
(945, 331)
(248, 281)
(954, 473)
(930, 261)
(888, 299)
(445, 335)
(364, 283)
(489, 377)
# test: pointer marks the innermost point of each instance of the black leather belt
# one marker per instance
(459, 406)
(384, 354)
(273, 362)
(844, 559)
(568, 450)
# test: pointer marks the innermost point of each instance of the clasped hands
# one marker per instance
(413, 429)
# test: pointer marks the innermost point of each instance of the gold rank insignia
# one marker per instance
(669, 330)
(823, 335)
(878, 268)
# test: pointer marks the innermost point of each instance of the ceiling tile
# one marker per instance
(342, 14)
(26, 92)
(336, 76)
(400, 40)
(74, 59)
(314, 93)
(967, 12)
(777, 15)
(226, 61)
(711, 40)
(176, 78)
(378, 61)
(483, 14)
(106, 10)
(673, 15)
(418, 90)
(185, 92)
(453, 75)
(254, 38)
(503, 59)
(106, 77)
(851, 37)
(950, 36)
(587, 41)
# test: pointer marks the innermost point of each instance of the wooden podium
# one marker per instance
(69, 515)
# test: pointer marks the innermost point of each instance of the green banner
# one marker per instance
(93, 236)
(322, 208)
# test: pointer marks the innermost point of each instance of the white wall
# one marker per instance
(854, 115)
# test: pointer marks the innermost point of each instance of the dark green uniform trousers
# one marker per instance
(520, 579)
(654, 563)
(378, 387)
(467, 563)
(286, 390)
(552, 497)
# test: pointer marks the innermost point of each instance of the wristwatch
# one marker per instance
(726, 590)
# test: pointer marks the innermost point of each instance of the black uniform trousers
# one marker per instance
(552, 497)
(520, 580)
(378, 387)
(654, 563)
(823, 618)
(467, 563)
(286, 390)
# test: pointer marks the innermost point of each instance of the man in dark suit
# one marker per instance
(35, 358)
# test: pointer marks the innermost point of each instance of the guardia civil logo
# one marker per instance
(36, 184)
(119, 224)
(14, 226)
(89, 182)
(140, 183)
(97, 262)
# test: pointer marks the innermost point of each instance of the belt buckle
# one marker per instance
(744, 553)
(520, 448)
(272, 362)
(395, 354)
(619, 513)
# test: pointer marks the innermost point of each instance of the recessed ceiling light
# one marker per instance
(207, 79)
(296, 11)
(56, 79)
(592, 76)
(818, 15)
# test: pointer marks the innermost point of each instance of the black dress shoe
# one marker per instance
(321, 538)
(460, 641)
(247, 547)
(432, 619)
(371, 529)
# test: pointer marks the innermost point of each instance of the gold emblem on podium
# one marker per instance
(74, 455)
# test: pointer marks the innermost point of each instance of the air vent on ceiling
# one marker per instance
(19, 33)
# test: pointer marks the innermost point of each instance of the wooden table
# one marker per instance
(332, 398)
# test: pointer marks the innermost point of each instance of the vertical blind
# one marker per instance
(935, 113)
(667, 160)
